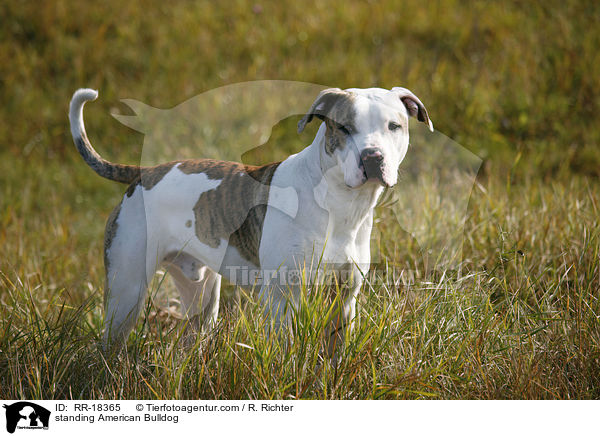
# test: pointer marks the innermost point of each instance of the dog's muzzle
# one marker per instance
(371, 163)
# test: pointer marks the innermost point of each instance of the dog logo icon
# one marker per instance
(26, 415)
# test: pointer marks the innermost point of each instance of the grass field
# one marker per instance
(517, 316)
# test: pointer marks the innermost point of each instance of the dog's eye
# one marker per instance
(394, 126)
(346, 130)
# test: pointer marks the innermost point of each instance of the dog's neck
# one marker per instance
(348, 208)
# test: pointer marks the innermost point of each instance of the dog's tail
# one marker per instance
(112, 171)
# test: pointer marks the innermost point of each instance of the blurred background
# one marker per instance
(499, 77)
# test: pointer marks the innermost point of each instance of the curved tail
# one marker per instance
(112, 171)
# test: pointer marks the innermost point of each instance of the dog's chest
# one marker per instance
(333, 233)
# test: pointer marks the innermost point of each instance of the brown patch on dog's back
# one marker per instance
(235, 210)
(214, 169)
(148, 177)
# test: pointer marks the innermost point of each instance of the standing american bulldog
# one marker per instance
(203, 219)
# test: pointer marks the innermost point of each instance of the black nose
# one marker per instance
(371, 160)
(372, 155)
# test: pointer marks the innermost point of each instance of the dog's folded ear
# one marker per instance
(322, 105)
(413, 105)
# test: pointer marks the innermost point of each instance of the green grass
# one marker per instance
(517, 316)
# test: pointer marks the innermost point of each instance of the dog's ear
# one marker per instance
(322, 105)
(413, 105)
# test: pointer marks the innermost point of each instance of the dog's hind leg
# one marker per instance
(199, 288)
(123, 299)
(129, 269)
(279, 302)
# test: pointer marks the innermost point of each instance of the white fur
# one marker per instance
(79, 99)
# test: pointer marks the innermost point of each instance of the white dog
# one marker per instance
(202, 219)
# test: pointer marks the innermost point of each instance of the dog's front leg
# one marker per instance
(343, 292)
(278, 301)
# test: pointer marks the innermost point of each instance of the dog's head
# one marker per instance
(366, 132)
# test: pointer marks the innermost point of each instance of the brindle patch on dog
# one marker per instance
(109, 234)
(235, 210)
(336, 108)
(334, 137)
(148, 177)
